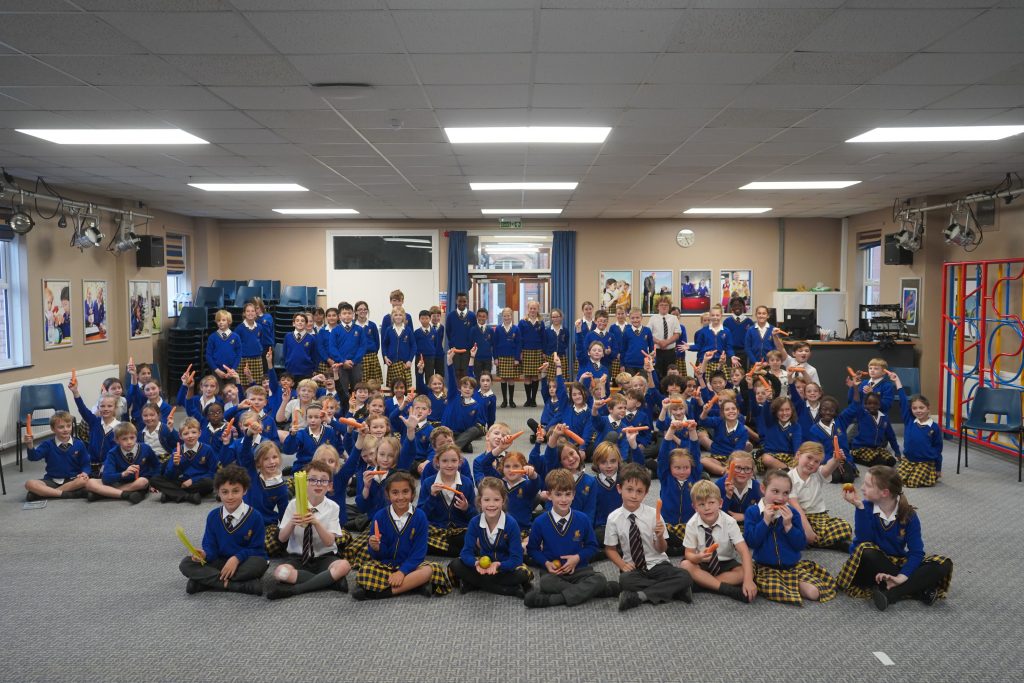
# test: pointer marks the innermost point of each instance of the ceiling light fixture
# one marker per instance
(126, 239)
(519, 212)
(939, 134)
(911, 234)
(726, 210)
(249, 187)
(20, 221)
(528, 134)
(87, 232)
(959, 230)
(483, 187)
(415, 240)
(317, 212)
(114, 136)
(801, 185)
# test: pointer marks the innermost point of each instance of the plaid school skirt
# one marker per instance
(615, 369)
(917, 474)
(783, 585)
(343, 542)
(507, 368)
(357, 551)
(677, 531)
(439, 540)
(830, 530)
(713, 366)
(374, 575)
(371, 369)
(787, 460)
(550, 373)
(274, 547)
(324, 368)
(681, 366)
(399, 370)
(721, 459)
(845, 579)
(530, 360)
(872, 456)
(254, 364)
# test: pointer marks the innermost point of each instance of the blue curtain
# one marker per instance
(563, 278)
(458, 265)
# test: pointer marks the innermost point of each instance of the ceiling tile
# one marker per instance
(894, 96)
(214, 33)
(62, 98)
(120, 70)
(582, 96)
(723, 68)
(461, 31)
(477, 96)
(791, 96)
(63, 34)
(270, 98)
(831, 69)
(745, 30)
(593, 68)
(998, 30)
(481, 69)
(238, 69)
(606, 30)
(306, 33)
(163, 97)
(376, 69)
(854, 30)
(15, 70)
(659, 96)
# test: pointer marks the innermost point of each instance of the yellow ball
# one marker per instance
(485, 562)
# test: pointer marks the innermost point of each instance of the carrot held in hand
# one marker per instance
(355, 424)
(449, 488)
(714, 400)
(851, 372)
(782, 332)
(375, 473)
(512, 437)
(376, 531)
(634, 430)
(74, 377)
(835, 446)
(764, 382)
(295, 419)
(657, 509)
(731, 473)
(517, 471)
(711, 548)
(572, 435)
(170, 415)
(28, 425)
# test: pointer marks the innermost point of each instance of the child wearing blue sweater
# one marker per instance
(563, 542)
(223, 347)
(679, 468)
(922, 440)
(775, 534)
(67, 462)
(491, 559)
(300, 349)
(127, 469)
(567, 456)
(189, 472)
(730, 434)
(232, 557)
(607, 461)
(268, 493)
(522, 485)
(738, 487)
(447, 499)
(397, 549)
(887, 555)
(874, 432)
(101, 427)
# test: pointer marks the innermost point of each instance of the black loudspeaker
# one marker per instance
(895, 255)
(151, 252)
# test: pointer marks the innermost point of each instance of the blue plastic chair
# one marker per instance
(228, 287)
(279, 357)
(209, 297)
(910, 378)
(245, 293)
(311, 296)
(1001, 403)
(275, 289)
(36, 397)
(192, 318)
(293, 296)
(266, 289)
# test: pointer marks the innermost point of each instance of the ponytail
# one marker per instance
(888, 478)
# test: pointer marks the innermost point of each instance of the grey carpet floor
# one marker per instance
(92, 592)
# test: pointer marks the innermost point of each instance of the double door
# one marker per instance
(496, 292)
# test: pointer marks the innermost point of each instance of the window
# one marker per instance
(872, 274)
(394, 252)
(179, 285)
(510, 251)
(14, 342)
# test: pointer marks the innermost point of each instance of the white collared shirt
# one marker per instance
(809, 370)
(808, 492)
(558, 518)
(890, 518)
(616, 532)
(400, 521)
(273, 481)
(152, 439)
(236, 515)
(448, 495)
(492, 536)
(327, 514)
(609, 481)
(739, 493)
(725, 531)
(761, 330)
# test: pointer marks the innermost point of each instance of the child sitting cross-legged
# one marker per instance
(713, 542)
(67, 462)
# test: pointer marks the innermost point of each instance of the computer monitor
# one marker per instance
(801, 323)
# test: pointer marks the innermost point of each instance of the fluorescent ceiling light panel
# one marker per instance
(519, 212)
(522, 186)
(725, 210)
(249, 187)
(317, 212)
(528, 134)
(114, 136)
(418, 246)
(939, 134)
(415, 240)
(801, 185)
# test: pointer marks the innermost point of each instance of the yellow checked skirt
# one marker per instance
(374, 575)
(845, 579)
(783, 585)
(917, 474)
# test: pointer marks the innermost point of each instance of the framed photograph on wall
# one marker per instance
(616, 288)
(655, 285)
(694, 292)
(736, 283)
(910, 299)
(138, 303)
(155, 312)
(94, 310)
(57, 314)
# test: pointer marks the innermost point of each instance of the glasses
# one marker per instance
(747, 470)
(318, 482)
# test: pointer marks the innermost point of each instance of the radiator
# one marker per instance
(90, 383)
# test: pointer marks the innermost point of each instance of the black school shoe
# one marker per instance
(929, 596)
(32, 497)
(536, 599)
(628, 600)
(880, 598)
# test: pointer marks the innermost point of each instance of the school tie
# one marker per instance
(348, 328)
(714, 566)
(230, 521)
(307, 541)
(190, 454)
(664, 325)
(298, 336)
(615, 426)
(636, 545)
(65, 446)
(562, 523)
(223, 335)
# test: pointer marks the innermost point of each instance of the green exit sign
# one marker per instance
(510, 222)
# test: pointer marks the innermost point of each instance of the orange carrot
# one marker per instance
(377, 472)
(729, 476)
(227, 427)
(74, 377)
(851, 371)
(376, 530)
(835, 445)
(573, 435)
(795, 368)
(348, 421)
(449, 488)
(295, 419)
(657, 508)
(711, 548)
(458, 350)
(782, 332)
(633, 430)
(512, 437)
(170, 415)
(764, 382)
(517, 471)
(676, 401)
(714, 400)
(28, 425)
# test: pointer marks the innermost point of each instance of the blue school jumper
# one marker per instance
(399, 348)
(884, 389)
(578, 421)
(803, 411)
(212, 437)
(840, 424)
(377, 499)
(737, 328)
(553, 408)
(606, 340)
(99, 441)
(597, 371)
(429, 470)
(62, 463)
(707, 340)
(521, 498)
(676, 504)
(532, 335)
(117, 462)
(386, 323)
(222, 352)
(585, 500)
(300, 354)
(921, 442)
(739, 504)
(438, 340)
(202, 464)
(405, 549)
(507, 548)
(442, 514)
(725, 442)
(252, 340)
(416, 449)
(371, 338)
(872, 433)
(489, 403)
(639, 418)
(484, 466)
(507, 343)
(634, 344)
(304, 444)
(137, 399)
(270, 501)
(547, 545)
(556, 342)
(437, 406)
(757, 346)
(901, 539)
(771, 544)
(608, 500)
(484, 342)
(266, 322)
(426, 342)
(578, 337)
(460, 416)
(778, 439)
(347, 345)
(245, 540)
(457, 328)
(615, 332)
